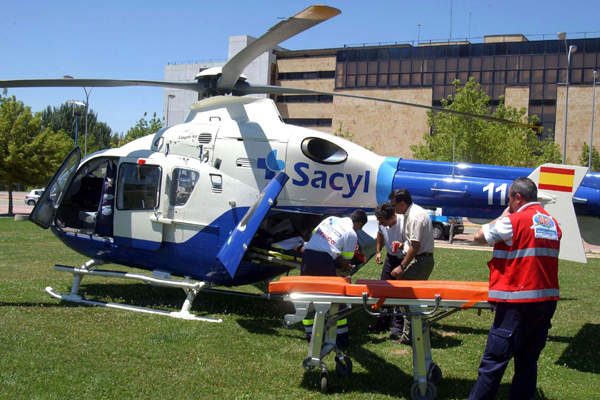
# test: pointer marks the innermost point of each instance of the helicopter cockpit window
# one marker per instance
(323, 151)
(182, 186)
(138, 187)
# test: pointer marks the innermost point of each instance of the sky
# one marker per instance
(133, 39)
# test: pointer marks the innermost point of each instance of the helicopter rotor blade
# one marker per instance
(245, 88)
(284, 30)
(196, 86)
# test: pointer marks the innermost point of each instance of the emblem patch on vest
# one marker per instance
(544, 227)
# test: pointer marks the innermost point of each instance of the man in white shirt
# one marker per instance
(334, 239)
(391, 235)
(418, 262)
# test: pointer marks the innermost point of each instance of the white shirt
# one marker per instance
(335, 236)
(418, 228)
(502, 230)
(394, 233)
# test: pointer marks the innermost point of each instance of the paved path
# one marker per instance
(465, 241)
(19, 207)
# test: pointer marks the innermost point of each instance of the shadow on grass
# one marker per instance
(582, 353)
(368, 383)
(256, 315)
(364, 382)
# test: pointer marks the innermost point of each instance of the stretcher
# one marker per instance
(425, 302)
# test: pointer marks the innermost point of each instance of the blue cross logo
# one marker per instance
(271, 164)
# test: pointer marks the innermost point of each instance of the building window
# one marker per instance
(306, 98)
(321, 122)
(283, 76)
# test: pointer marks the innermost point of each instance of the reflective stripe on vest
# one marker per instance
(522, 295)
(342, 330)
(530, 252)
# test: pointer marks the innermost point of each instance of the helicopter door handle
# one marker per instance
(463, 192)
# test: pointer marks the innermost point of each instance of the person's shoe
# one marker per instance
(397, 338)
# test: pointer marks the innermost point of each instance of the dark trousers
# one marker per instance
(316, 263)
(520, 330)
(383, 322)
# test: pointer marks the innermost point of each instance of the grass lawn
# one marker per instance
(54, 350)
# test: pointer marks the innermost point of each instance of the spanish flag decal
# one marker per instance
(557, 179)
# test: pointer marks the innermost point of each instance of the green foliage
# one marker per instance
(340, 132)
(29, 153)
(584, 157)
(100, 135)
(141, 129)
(483, 142)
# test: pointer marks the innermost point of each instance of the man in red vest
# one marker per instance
(524, 286)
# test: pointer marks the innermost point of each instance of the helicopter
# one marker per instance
(210, 199)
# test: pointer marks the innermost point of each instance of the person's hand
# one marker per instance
(397, 272)
(378, 258)
(506, 212)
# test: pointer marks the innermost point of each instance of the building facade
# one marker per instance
(528, 74)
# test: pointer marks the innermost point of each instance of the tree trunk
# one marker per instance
(10, 198)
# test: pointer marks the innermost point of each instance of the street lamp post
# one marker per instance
(570, 49)
(169, 97)
(77, 115)
(418, 34)
(87, 104)
(592, 130)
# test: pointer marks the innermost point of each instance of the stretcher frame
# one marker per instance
(424, 312)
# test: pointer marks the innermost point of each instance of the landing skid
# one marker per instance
(190, 288)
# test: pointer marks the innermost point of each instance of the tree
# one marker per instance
(584, 158)
(479, 141)
(142, 128)
(100, 135)
(29, 154)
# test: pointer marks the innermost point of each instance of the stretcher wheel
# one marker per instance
(306, 364)
(435, 374)
(343, 366)
(324, 383)
(430, 393)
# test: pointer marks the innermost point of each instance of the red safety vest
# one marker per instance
(527, 271)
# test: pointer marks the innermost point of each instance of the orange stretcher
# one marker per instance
(425, 302)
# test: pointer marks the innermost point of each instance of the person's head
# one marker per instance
(385, 214)
(400, 199)
(521, 192)
(359, 219)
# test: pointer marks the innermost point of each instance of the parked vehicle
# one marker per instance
(442, 224)
(33, 196)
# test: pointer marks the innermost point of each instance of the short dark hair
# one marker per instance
(525, 187)
(359, 216)
(385, 211)
(401, 195)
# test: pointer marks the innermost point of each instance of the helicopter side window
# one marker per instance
(323, 151)
(182, 186)
(138, 187)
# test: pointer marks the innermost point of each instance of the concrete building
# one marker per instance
(529, 73)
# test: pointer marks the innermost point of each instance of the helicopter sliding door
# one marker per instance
(138, 198)
(234, 249)
(45, 210)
